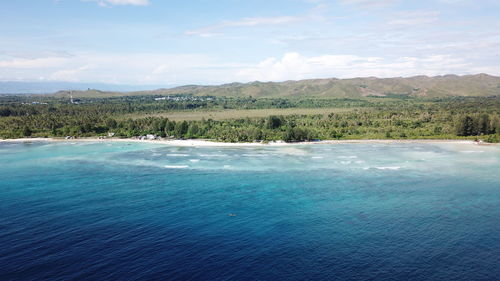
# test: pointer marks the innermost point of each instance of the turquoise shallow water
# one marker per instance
(139, 211)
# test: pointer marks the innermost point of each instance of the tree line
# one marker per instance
(399, 119)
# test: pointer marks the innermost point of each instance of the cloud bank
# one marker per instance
(147, 68)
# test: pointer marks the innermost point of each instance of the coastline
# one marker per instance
(200, 142)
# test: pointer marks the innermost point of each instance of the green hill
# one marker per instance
(421, 86)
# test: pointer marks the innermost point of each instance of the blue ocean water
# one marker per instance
(139, 211)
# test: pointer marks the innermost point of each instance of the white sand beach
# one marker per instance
(201, 142)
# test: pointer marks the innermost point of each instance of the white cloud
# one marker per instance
(70, 75)
(121, 68)
(411, 18)
(314, 14)
(106, 3)
(34, 63)
(369, 3)
(211, 30)
(129, 2)
(295, 66)
(168, 69)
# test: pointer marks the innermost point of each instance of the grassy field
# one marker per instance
(238, 113)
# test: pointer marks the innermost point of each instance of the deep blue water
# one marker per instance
(136, 211)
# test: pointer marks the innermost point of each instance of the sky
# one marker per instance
(177, 42)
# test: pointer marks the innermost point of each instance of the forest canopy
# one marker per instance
(363, 118)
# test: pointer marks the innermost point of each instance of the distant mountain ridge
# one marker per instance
(48, 87)
(417, 86)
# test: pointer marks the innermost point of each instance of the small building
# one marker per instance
(150, 137)
(111, 134)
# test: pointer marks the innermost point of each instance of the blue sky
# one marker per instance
(144, 42)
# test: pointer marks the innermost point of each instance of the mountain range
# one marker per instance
(417, 86)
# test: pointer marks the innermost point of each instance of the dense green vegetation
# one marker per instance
(382, 117)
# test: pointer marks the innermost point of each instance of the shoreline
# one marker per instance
(199, 142)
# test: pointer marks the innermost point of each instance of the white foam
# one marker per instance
(472, 151)
(177, 155)
(292, 151)
(227, 166)
(345, 162)
(348, 157)
(317, 157)
(388, 168)
(254, 155)
(194, 160)
(213, 155)
(176, 166)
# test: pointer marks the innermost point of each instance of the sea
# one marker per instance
(155, 211)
